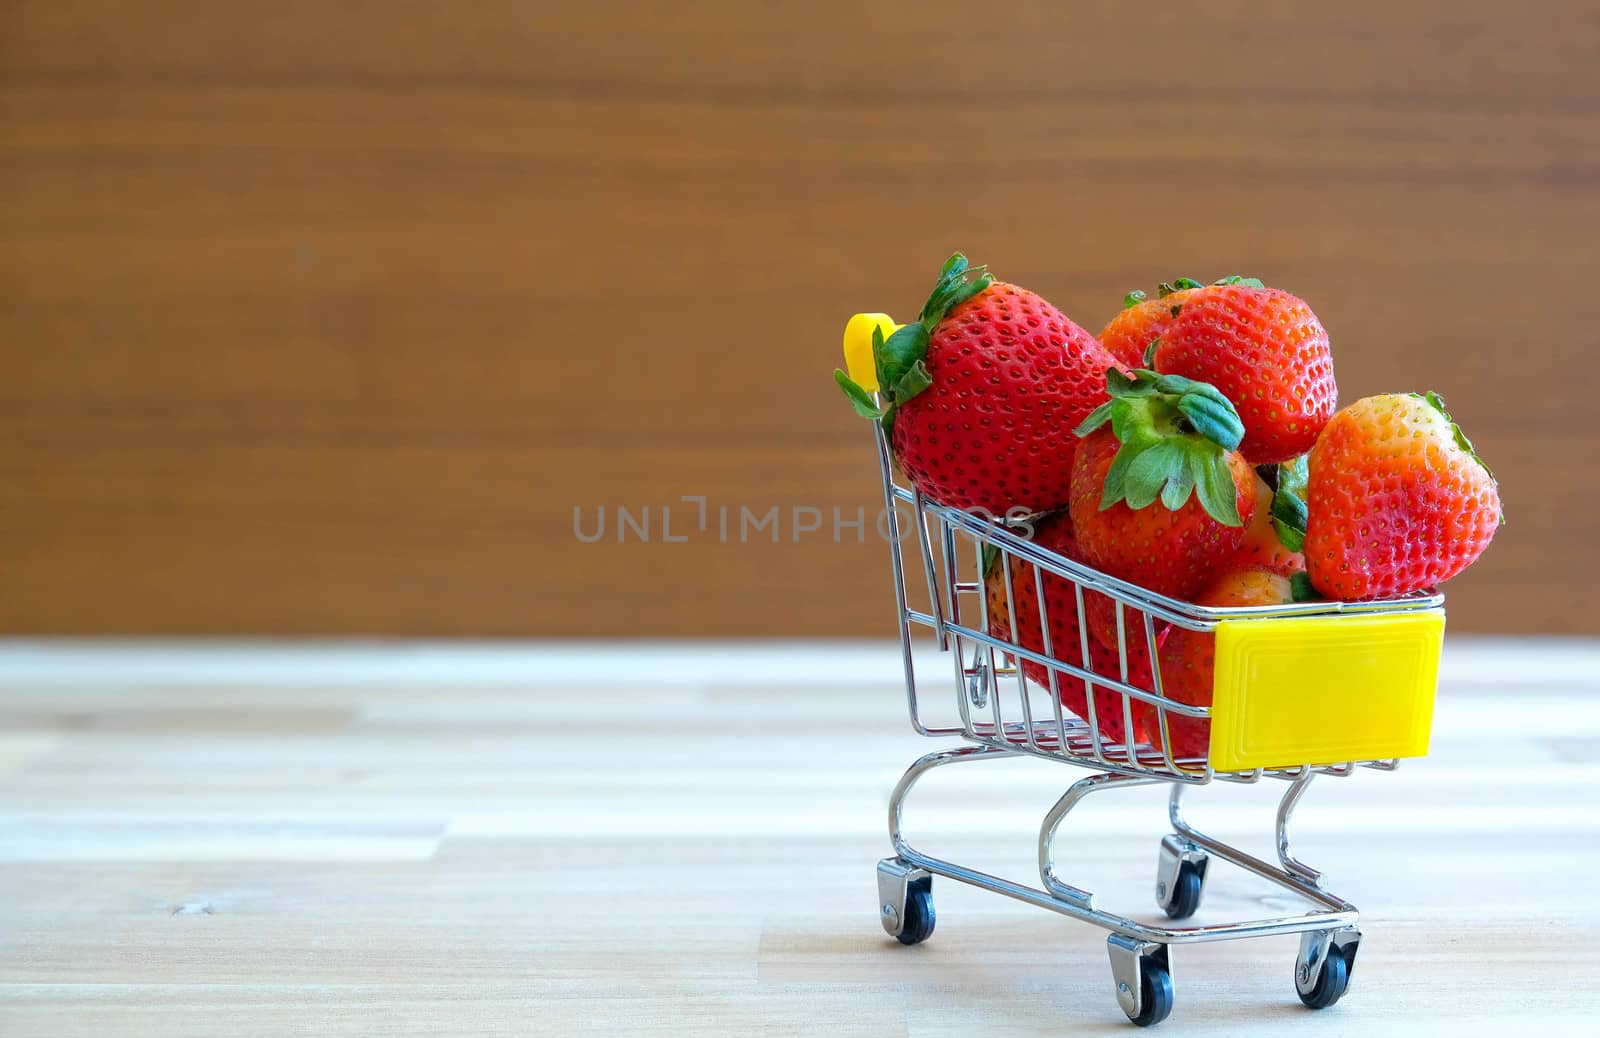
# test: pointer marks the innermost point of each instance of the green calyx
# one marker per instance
(900, 359)
(1289, 503)
(1176, 435)
(1166, 288)
(1435, 401)
(1301, 588)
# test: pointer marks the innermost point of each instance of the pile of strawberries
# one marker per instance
(1193, 447)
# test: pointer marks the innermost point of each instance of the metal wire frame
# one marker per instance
(1332, 913)
(944, 536)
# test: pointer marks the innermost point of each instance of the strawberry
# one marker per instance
(1188, 658)
(1054, 532)
(980, 394)
(1397, 500)
(1172, 438)
(1264, 350)
(1100, 617)
(1142, 321)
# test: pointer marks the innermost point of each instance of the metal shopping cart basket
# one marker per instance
(1300, 690)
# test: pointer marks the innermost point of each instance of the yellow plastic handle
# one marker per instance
(858, 362)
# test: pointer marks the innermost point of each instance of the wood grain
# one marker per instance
(458, 849)
(323, 318)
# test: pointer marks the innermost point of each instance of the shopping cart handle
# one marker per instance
(858, 360)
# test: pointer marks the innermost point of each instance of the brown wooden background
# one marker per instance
(322, 317)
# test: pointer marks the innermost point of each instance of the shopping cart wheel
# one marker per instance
(905, 901)
(1322, 970)
(1155, 996)
(1183, 899)
(919, 918)
(1180, 876)
(1143, 967)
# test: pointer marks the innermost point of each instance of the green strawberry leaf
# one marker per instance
(1236, 279)
(1115, 488)
(1126, 396)
(1132, 299)
(1150, 352)
(1124, 419)
(1213, 483)
(1098, 417)
(1288, 535)
(1149, 473)
(860, 399)
(1140, 384)
(965, 291)
(953, 289)
(877, 353)
(899, 354)
(1166, 288)
(912, 382)
(1177, 384)
(1289, 504)
(1178, 490)
(1211, 413)
(1301, 588)
(1120, 385)
(991, 551)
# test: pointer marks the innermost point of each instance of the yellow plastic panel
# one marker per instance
(1323, 690)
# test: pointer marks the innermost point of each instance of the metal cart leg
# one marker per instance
(1327, 955)
(1052, 822)
(1286, 806)
(905, 887)
(1297, 881)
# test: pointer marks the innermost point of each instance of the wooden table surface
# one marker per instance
(479, 840)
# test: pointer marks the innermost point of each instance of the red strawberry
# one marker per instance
(981, 393)
(1054, 532)
(1142, 321)
(1188, 658)
(1172, 438)
(1267, 352)
(1397, 500)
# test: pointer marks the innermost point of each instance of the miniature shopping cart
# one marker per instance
(1300, 690)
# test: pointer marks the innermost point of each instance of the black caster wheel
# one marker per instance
(1331, 985)
(919, 918)
(1183, 899)
(1155, 994)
